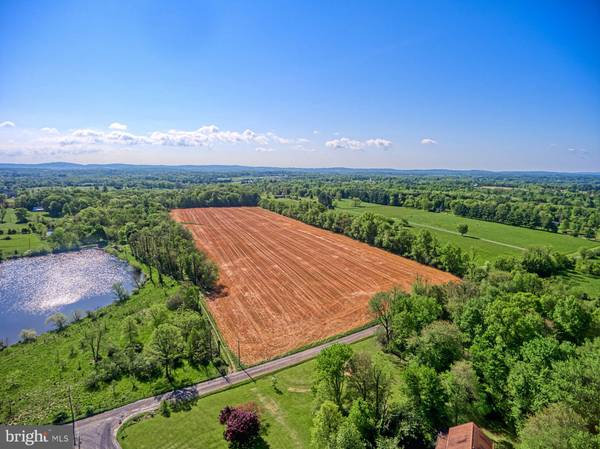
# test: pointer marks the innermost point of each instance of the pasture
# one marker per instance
(285, 284)
(17, 244)
(486, 239)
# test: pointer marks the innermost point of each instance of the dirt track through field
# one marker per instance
(288, 284)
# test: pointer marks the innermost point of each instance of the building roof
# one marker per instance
(465, 436)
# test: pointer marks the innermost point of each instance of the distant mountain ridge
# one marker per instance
(263, 169)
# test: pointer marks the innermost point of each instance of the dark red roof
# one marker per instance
(465, 436)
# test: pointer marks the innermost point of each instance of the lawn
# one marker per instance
(286, 413)
(19, 243)
(34, 377)
(486, 239)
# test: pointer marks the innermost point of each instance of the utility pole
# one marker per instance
(72, 415)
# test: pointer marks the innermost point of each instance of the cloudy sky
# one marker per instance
(402, 84)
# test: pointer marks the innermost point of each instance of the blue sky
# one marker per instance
(490, 85)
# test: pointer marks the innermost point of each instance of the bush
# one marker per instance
(242, 426)
(542, 262)
(175, 302)
(145, 367)
(164, 409)
(60, 418)
(28, 335)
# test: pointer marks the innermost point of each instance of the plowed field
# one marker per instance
(287, 284)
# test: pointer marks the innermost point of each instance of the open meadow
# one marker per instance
(17, 244)
(488, 240)
(285, 284)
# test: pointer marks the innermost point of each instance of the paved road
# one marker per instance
(99, 431)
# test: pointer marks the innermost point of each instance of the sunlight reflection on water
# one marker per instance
(58, 282)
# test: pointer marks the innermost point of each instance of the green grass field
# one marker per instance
(18, 243)
(486, 239)
(35, 377)
(287, 413)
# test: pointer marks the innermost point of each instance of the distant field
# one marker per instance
(488, 240)
(287, 284)
(18, 243)
(286, 414)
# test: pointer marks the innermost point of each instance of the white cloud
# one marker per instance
(281, 140)
(49, 130)
(428, 141)
(264, 150)
(351, 144)
(379, 143)
(8, 124)
(202, 137)
(118, 126)
(316, 131)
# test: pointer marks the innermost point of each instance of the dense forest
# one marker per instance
(510, 350)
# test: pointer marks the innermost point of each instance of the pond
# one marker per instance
(33, 288)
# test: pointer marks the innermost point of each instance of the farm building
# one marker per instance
(465, 436)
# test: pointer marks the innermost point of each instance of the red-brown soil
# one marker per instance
(287, 284)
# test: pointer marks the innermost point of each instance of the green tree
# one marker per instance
(576, 381)
(166, 344)
(462, 229)
(540, 261)
(326, 423)
(411, 314)
(529, 377)
(348, 437)
(21, 215)
(557, 427)
(120, 292)
(438, 345)
(370, 380)
(58, 320)
(424, 392)
(361, 416)
(332, 363)
(130, 332)
(380, 306)
(571, 319)
(463, 391)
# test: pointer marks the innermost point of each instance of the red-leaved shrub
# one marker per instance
(242, 427)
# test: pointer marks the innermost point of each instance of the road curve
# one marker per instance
(99, 431)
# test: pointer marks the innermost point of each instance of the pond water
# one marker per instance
(33, 288)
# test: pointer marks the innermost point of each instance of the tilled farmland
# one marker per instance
(286, 284)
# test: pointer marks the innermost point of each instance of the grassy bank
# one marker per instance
(36, 376)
